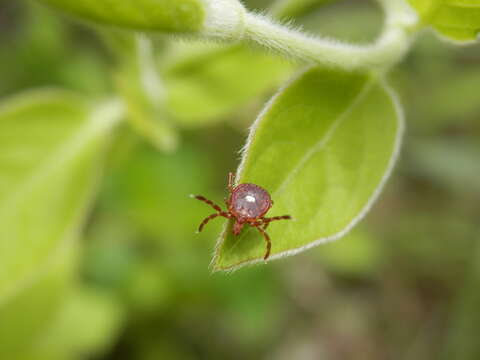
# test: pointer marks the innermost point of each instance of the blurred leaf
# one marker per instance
(361, 23)
(447, 105)
(114, 260)
(462, 340)
(139, 83)
(45, 50)
(51, 152)
(254, 315)
(151, 190)
(293, 8)
(165, 15)
(323, 148)
(453, 100)
(204, 88)
(149, 288)
(25, 317)
(357, 254)
(455, 19)
(453, 164)
(431, 243)
(87, 323)
(108, 257)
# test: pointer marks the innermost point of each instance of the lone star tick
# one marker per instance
(247, 203)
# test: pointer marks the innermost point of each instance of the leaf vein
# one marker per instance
(324, 140)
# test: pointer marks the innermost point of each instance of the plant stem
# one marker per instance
(390, 47)
(150, 82)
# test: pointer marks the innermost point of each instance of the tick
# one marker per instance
(246, 204)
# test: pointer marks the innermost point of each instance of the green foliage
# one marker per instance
(357, 254)
(52, 142)
(462, 342)
(205, 88)
(138, 83)
(27, 315)
(294, 8)
(455, 19)
(323, 148)
(144, 115)
(144, 166)
(123, 274)
(454, 163)
(47, 51)
(164, 15)
(87, 322)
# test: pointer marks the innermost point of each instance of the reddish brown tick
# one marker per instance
(247, 203)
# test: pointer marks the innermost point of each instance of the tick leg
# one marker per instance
(268, 244)
(209, 202)
(206, 220)
(213, 216)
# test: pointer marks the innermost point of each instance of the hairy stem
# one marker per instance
(390, 47)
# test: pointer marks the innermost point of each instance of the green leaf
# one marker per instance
(87, 323)
(204, 88)
(163, 15)
(26, 316)
(294, 8)
(457, 20)
(323, 148)
(50, 156)
(140, 86)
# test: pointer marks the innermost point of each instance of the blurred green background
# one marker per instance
(403, 285)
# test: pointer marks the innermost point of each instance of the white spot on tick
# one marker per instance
(250, 198)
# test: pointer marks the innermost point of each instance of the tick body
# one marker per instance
(246, 204)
